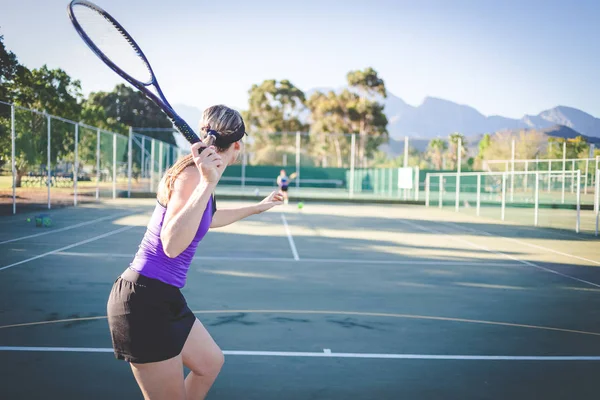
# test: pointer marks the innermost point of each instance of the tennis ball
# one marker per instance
(300, 205)
(28, 219)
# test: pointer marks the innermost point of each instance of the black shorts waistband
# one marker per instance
(133, 276)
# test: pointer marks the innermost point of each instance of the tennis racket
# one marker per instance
(113, 45)
(293, 176)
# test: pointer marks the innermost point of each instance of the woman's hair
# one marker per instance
(220, 126)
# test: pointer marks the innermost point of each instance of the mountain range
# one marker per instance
(436, 117)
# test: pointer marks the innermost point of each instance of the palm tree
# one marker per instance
(435, 151)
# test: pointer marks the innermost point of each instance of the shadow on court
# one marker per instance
(383, 303)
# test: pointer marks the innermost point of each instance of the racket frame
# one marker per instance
(159, 100)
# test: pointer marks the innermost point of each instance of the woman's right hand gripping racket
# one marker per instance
(113, 45)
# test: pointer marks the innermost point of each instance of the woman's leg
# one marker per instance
(161, 380)
(204, 359)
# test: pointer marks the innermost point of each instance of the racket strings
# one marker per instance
(113, 42)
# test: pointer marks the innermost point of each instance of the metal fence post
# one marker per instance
(114, 162)
(564, 168)
(97, 163)
(512, 175)
(537, 199)
(503, 212)
(441, 193)
(143, 160)
(427, 190)
(587, 163)
(458, 169)
(48, 166)
(417, 187)
(577, 224)
(152, 160)
(129, 161)
(352, 157)
(76, 172)
(12, 158)
(597, 198)
(298, 159)
(478, 195)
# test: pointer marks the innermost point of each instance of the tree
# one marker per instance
(484, 145)
(56, 93)
(274, 112)
(328, 126)
(369, 85)
(577, 147)
(8, 70)
(125, 107)
(435, 152)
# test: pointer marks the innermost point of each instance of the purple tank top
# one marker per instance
(151, 260)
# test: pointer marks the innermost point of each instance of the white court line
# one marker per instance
(477, 231)
(327, 353)
(69, 246)
(66, 228)
(496, 252)
(314, 260)
(290, 238)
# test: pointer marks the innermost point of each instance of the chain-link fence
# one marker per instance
(48, 161)
(540, 198)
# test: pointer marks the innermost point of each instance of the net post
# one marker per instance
(537, 199)
(478, 206)
(76, 166)
(297, 159)
(352, 157)
(503, 196)
(577, 224)
(97, 163)
(441, 191)
(114, 164)
(48, 166)
(129, 161)
(427, 190)
(13, 160)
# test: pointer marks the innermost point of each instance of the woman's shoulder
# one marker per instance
(189, 176)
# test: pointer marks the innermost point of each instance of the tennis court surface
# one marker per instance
(334, 301)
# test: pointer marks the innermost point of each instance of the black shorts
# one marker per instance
(149, 320)
(284, 188)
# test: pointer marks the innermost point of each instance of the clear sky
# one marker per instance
(504, 57)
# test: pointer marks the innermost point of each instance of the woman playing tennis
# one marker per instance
(150, 323)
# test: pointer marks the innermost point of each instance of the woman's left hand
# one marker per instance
(272, 200)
